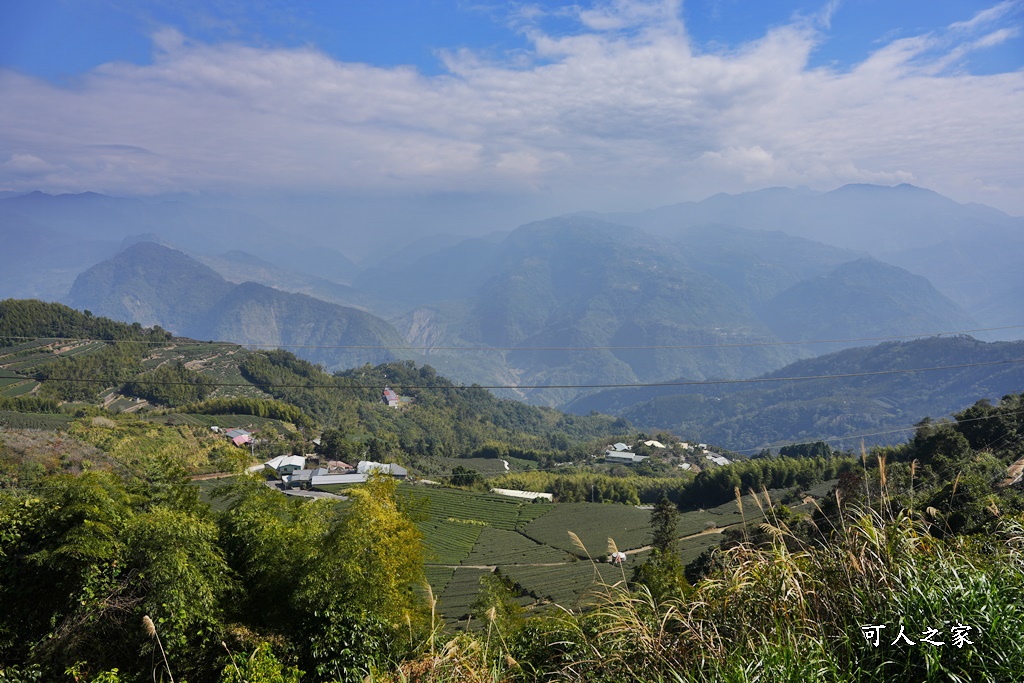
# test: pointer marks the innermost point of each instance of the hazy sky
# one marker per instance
(602, 105)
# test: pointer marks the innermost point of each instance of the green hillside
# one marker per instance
(753, 415)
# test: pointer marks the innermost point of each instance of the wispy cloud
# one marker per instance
(989, 16)
(622, 111)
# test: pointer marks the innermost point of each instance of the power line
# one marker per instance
(633, 385)
(636, 347)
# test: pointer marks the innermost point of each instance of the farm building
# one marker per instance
(239, 437)
(717, 458)
(654, 444)
(367, 466)
(328, 479)
(624, 457)
(285, 464)
(526, 495)
(302, 478)
(391, 398)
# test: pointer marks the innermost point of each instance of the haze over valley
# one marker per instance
(728, 288)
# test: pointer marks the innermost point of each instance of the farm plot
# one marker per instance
(502, 548)
(438, 578)
(448, 542)
(689, 549)
(121, 404)
(184, 352)
(208, 486)
(14, 420)
(81, 349)
(822, 489)
(726, 514)
(28, 363)
(489, 510)
(594, 523)
(531, 511)
(24, 347)
(217, 361)
(7, 377)
(566, 585)
(460, 593)
(9, 388)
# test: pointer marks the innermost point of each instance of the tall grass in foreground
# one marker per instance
(791, 611)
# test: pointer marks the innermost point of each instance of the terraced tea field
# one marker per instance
(460, 593)
(469, 534)
(449, 542)
(594, 524)
(485, 509)
(502, 548)
(218, 361)
(14, 420)
(567, 585)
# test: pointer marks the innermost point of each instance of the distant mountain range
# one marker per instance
(970, 252)
(731, 287)
(712, 302)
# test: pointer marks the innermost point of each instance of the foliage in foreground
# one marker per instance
(776, 613)
(927, 541)
(86, 560)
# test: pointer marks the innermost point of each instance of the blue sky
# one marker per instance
(608, 105)
(57, 39)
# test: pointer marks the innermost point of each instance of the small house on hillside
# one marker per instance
(285, 464)
(717, 458)
(654, 444)
(391, 399)
(239, 437)
(620, 447)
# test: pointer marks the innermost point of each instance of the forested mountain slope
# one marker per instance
(881, 400)
(155, 285)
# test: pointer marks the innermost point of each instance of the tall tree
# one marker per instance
(663, 572)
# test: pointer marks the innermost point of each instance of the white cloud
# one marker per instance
(624, 112)
(987, 16)
(27, 164)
